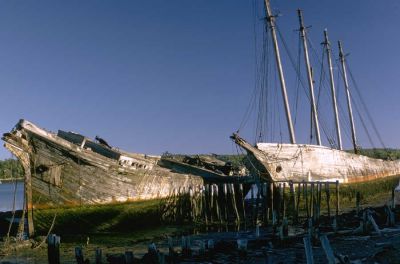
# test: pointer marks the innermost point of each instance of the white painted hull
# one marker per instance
(297, 162)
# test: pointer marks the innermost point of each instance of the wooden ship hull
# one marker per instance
(300, 162)
(68, 168)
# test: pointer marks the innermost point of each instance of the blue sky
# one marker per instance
(177, 76)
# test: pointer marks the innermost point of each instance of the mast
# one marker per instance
(346, 85)
(332, 82)
(271, 22)
(309, 77)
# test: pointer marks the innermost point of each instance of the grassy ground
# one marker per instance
(135, 216)
(373, 192)
(121, 217)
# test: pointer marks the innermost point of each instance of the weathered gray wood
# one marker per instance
(375, 226)
(186, 246)
(305, 192)
(337, 199)
(171, 251)
(308, 250)
(242, 202)
(292, 200)
(64, 172)
(328, 199)
(128, 257)
(358, 198)
(283, 200)
(298, 201)
(79, 255)
(242, 246)
(53, 249)
(98, 256)
(281, 162)
(234, 204)
(327, 249)
(312, 201)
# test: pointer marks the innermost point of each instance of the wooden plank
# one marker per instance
(308, 250)
(372, 221)
(327, 249)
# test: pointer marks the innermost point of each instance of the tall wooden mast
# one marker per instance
(346, 85)
(332, 82)
(309, 77)
(271, 22)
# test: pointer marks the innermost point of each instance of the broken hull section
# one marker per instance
(61, 172)
(297, 162)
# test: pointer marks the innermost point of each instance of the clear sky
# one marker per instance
(177, 76)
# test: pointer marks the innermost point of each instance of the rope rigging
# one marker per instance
(265, 99)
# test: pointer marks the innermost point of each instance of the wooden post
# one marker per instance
(318, 211)
(202, 248)
(310, 228)
(211, 202)
(292, 201)
(298, 201)
(234, 203)
(252, 199)
(337, 199)
(328, 199)
(205, 205)
(128, 257)
(25, 161)
(334, 224)
(257, 208)
(210, 246)
(284, 230)
(53, 249)
(283, 201)
(217, 207)
(257, 233)
(372, 221)
(393, 204)
(305, 191)
(226, 202)
(312, 201)
(271, 198)
(79, 255)
(98, 256)
(327, 249)
(308, 250)
(358, 198)
(171, 251)
(242, 202)
(242, 247)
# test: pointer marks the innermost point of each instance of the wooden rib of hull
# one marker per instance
(297, 162)
(61, 172)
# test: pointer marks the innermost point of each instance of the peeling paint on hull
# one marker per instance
(297, 162)
(61, 172)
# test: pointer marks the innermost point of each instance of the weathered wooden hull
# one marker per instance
(296, 162)
(60, 172)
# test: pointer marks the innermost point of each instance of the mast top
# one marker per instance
(326, 42)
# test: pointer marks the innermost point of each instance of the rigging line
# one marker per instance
(355, 105)
(323, 83)
(248, 110)
(364, 125)
(14, 203)
(345, 122)
(324, 129)
(260, 129)
(365, 106)
(297, 80)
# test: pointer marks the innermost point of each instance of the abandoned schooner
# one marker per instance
(306, 162)
(68, 168)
